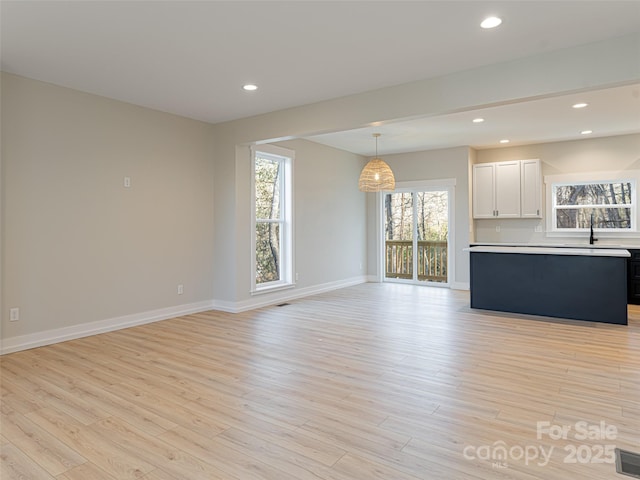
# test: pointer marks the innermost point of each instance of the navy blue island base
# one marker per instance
(580, 287)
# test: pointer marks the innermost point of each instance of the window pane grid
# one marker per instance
(268, 252)
(600, 219)
(589, 193)
(272, 230)
(268, 188)
(605, 206)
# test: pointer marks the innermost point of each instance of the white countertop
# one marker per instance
(556, 245)
(591, 252)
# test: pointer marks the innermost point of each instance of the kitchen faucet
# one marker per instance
(591, 239)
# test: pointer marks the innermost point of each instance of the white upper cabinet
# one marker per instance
(484, 202)
(530, 189)
(507, 189)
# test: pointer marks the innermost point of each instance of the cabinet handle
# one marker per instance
(538, 212)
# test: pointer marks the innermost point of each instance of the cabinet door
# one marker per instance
(531, 190)
(507, 177)
(633, 274)
(483, 191)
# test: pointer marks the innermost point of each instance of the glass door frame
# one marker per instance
(442, 185)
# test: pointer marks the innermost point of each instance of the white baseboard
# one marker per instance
(57, 335)
(48, 337)
(459, 285)
(274, 298)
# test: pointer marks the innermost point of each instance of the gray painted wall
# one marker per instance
(330, 214)
(78, 246)
(329, 217)
(603, 64)
(451, 163)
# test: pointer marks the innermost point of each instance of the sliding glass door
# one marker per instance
(416, 231)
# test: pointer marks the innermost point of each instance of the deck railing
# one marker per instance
(432, 260)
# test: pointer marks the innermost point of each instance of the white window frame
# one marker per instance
(286, 159)
(553, 181)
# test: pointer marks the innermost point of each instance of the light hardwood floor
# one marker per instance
(377, 381)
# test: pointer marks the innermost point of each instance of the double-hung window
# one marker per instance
(605, 202)
(272, 217)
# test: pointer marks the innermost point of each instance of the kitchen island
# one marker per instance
(575, 283)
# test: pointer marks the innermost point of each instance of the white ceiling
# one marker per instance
(613, 111)
(191, 58)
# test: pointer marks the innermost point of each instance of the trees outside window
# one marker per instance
(272, 243)
(603, 205)
(416, 225)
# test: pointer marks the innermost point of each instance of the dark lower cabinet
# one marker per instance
(566, 286)
(633, 280)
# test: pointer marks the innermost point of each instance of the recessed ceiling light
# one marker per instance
(478, 120)
(586, 132)
(491, 22)
(250, 87)
(504, 140)
(580, 105)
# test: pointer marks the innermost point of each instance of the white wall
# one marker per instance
(603, 64)
(77, 246)
(330, 214)
(81, 253)
(617, 153)
(451, 163)
(329, 220)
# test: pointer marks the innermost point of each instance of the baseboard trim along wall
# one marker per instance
(460, 286)
(267, 299)
(48, 337)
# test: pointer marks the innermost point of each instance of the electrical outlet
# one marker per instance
(180, 289)
(14, 314)
(127, 182)
(497, 228)
(538, 229)
(297, 276)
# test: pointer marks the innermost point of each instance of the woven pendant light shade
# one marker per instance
(376, 175)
